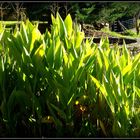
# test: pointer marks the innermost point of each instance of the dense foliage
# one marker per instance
(87, 12)
(94, 13)
(59, 84)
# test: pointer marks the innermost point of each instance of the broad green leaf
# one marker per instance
(103, 91)
(50, 56)
(65, 57)
(137, 90)
(62, 28)
(36, 35)
(79, 38)
(109, 89)
(24, 33)
(115, 82)
(58, 57)
(2, 29)
(104, 58)
(126, 54)
(103, 127)
(70, 100)
(105, 44)
(132, 65)
(53, 19)
(127, 68)
(40, 51)
(14, 49)
(68, 25)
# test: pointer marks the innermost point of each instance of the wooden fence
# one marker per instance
(119, 26)
(10, 25)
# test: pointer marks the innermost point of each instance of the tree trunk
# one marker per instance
(137, 26)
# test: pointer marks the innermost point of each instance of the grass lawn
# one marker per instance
(131, 34)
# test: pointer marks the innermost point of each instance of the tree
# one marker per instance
(102, 12)
(3, 9)
(82, 12)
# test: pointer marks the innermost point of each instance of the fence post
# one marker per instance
(115, 26)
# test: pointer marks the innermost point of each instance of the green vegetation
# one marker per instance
(126, 34)
(57, 84)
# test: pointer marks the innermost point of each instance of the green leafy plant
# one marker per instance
(59, 84)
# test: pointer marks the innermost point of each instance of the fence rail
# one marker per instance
(18, 22)
(128, 24)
